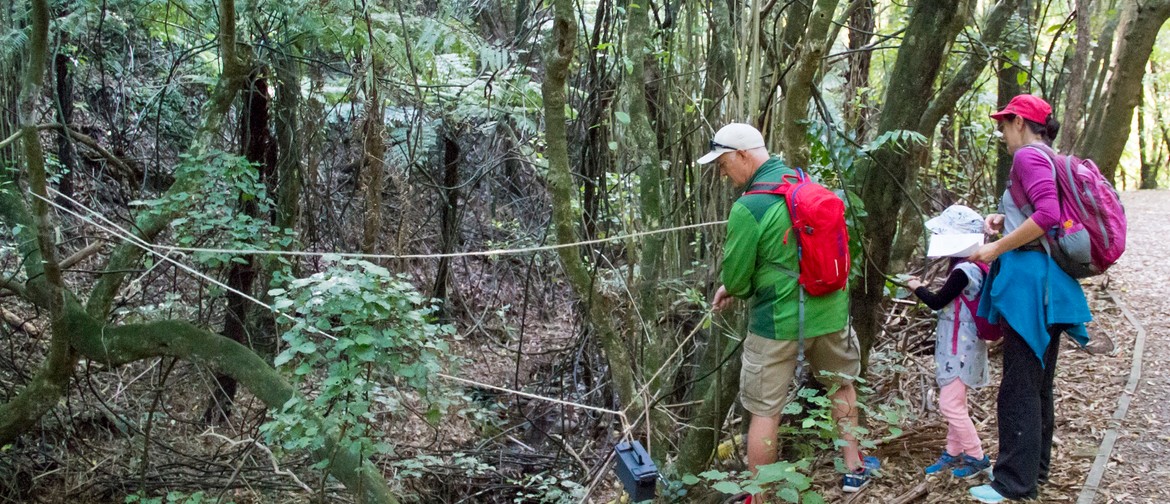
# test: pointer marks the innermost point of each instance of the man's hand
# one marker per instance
(722, 299)
(914, 283)
(993, 224)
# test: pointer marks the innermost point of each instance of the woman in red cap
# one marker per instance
(1031, 297)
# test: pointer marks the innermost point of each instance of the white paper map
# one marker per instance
(954, 245)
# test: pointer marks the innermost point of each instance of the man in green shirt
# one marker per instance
(760, 264)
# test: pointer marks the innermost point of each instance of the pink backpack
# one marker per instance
(1091, 234)
(984, 329)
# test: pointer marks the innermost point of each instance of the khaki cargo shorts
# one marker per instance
(769, 366)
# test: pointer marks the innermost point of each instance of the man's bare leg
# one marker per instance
(761, 441)
(845, 414)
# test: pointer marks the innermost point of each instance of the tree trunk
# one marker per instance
(1007, 88)
(721, 69)
(232, 76)
(561, 191)
(721, 366)
(520, 16)
(1074, 101)
(257, 149)
(66, 154)
(1159, 137)
(931, 29)
(857, 110)
(639, 146)
(1135, 44)
(10, 83)
(448, 216)
(794, 116)
(374, 156)
(1098, 72)
(639, 143)
(796, 18)
(1165, 130)
(912, 218)
(958, 85)
(313, 131)
(1145, 157)
(36, 245)
(910, 222)
(49, 383)
(289, 138)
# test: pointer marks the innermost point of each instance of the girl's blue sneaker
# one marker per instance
(986, 494)
(970, 466)
(946, 461)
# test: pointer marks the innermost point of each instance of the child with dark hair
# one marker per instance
(960, 356)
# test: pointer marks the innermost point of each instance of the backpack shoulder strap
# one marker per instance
(955, 330)
(1045, 148)
(772, 188)
(984, 268)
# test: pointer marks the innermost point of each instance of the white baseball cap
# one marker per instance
(733, 137)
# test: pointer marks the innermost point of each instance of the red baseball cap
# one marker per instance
(1030, 107)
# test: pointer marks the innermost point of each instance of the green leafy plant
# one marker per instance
(898, 140)
(789, 481)
(817, 429)
(219, 183)
(365, 338)
(421, 464)
(814, 431)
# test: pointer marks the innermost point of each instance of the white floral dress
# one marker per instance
(962, 355)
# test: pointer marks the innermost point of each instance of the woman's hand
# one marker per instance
(722, 299)
(986, 254)
(1020, 236)
(993, 224)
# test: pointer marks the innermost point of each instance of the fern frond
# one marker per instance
(13, 42)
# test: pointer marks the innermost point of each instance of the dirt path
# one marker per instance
(1139, 468)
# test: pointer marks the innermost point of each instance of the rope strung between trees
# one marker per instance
(120, 232)
(477, 253)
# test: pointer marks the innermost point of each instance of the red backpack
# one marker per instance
(822, 239)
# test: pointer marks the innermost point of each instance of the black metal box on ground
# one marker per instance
(638, 473)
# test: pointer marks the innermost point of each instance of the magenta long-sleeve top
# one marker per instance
(1032, 172)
